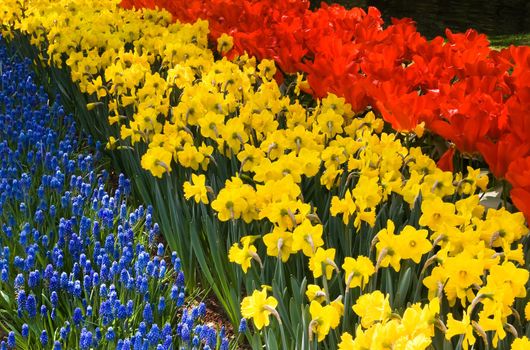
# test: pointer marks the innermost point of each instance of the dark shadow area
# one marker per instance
(492, 17)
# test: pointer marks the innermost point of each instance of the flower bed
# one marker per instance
(77, 265)
(475, 97)
(326, 215)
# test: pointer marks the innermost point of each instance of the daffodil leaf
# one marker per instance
(403, 287)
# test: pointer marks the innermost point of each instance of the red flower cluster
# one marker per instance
(473, 96)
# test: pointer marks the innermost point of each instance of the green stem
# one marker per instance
(325, 283)
(279, 271)
(345, 319)
(284, 340)
(504, 193)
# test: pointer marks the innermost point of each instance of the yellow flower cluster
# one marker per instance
(163, 87)
(382, 329)
(132, 61)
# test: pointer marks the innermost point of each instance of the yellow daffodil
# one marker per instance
(267, 69)
(322, 262)
(387, 253)
(455, 327)
(157, 160)
(357, 272)
(279, 243)
(196, 189)
(307, 237)
(437, 214)
(373, 307)
(346, 342)
(521, 344)
(259, 307)
(323, 318)
(225, 43)
(243, 252)
(314, 292)
(412, 243)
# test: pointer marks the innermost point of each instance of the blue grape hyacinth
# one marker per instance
(78, 264)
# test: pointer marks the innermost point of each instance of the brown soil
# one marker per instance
(215, 314)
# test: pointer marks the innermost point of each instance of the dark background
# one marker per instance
(493, 17)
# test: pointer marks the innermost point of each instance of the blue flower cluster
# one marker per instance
(78, 268)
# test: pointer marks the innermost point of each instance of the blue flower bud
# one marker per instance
(166, 331)
(11, 340)
(202, 309)
(98, 334)
(103, 291)
(160, 250)
(64, 280)
(161, 304)
(7, 252)
(148, 313)
(31, 306)
(44, 338)
(33, 279)
(176, 262)
(77, 289)
(144, 285)
(180, 279)
(19, 263)
(162, 272)
(82, 260)
(43, 310)
(95, 279)
(224, 344)
(142, 328)
(110, 335)
(45, 241)
(130, 308)
(78, 316)
(48, 271)
(174, 292)
(19, 281)
(122, 312)
(85, 341)
(154, 335)
(54, 298)
(243, 325)
(25, 330)
(180, 300)
(185, 333)
(87, 282)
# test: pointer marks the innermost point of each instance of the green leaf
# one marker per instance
(272, 343)
(5, 296)
(403, 288)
